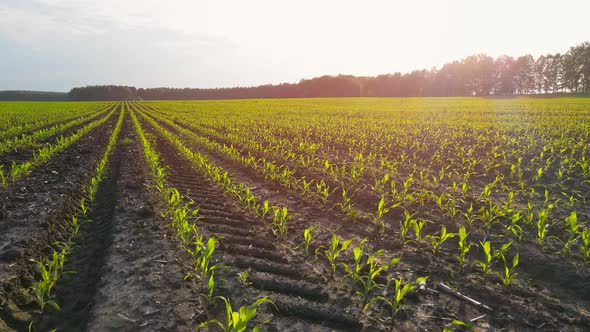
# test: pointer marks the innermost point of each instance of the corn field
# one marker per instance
(364, 214)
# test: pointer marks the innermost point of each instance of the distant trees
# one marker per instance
(475, 75)
(15, 95)
(103, 92)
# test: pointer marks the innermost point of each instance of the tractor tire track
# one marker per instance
(141, 286)
(75, 291)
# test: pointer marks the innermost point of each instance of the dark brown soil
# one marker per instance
(35, 215)
(141, 286)
(130, 269)
(557, 299)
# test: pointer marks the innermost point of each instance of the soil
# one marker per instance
(35, 214)
(130, 270)
(557, 298)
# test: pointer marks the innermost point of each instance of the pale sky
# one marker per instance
(55, 45)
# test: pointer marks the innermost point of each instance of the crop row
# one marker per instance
(364, 283)
(31, 139)
(51, 269)
(477, 204)
(44, 154)
(21, 118)
(183, 221)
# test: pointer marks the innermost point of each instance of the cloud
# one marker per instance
(212, 43)
(63, 45)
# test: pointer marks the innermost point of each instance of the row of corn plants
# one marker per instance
(457, 198)
(201, 249)
(50, 270)
(447, 201)
(21, 118)
(364, 272)
(279, 215)
(30, 140)
(274, 171)
(47, 152)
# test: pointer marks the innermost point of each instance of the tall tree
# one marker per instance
(505, 75)
(524, 74)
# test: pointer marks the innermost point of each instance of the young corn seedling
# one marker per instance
(173, 199)
(335, 249)
(469, 216)
(585, 243)
(379, 186)
(513, 227)
(205, 259)
(486, 264)
(202, 253)
(378, 216)
(323, 191)
(573, 231)
(406, 224)
(347, 206)
(181, 223)
(307, 235)
(394, 302)
(418, 226)
(490, 215)
(264, 209)
(437, 240)
(243, 279)
(460, 324)
(440, 202)
(306, 187)
(210, 286)
(237, 321)
(451, 207)
(354, 270)
(75, 225)
(367, 280)
(509, 274)
(279, 223)
(542, 226)
(464, 246)
(49, 275)
(83, 206)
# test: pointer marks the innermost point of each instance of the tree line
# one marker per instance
(475, 75)
(18, 95)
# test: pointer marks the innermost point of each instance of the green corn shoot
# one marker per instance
(280, 220)
(368, 280)
(542, 226)
(514, 227)
(464, 246)
(573, 231)
(237, 321)
(418, 226)
(243, 279)
(486, 264)
(354, 270)
(437, 240)
(335, 249)
(509, 274)
(406, 224)
(585, 243)
(307, 235)
(394, 301)
(380, 213)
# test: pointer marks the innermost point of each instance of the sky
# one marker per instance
(55, 45)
